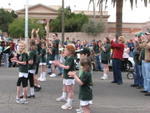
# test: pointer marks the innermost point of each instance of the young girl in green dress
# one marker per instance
(43, 62)
(31, 67)
(22, 61)
(105, 58)
(85, 81)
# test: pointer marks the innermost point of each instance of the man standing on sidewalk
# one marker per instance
(147, 64)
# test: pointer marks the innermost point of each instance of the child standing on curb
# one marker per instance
(85, 82)
(22, 61)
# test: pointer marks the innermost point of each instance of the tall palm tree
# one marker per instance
(119, 12)
(93, 2)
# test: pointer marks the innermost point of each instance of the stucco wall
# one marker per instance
(129, 30)
(85, 36)
(128, 27)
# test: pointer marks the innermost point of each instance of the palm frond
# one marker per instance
(136, 3)
(131, 2)
(90, 1)
(145, 2)
(101, 1)
(89, 4)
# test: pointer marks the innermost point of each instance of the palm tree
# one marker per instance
(119, 8)
(93, 2)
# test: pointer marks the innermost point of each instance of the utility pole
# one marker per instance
(62, 22)
(26, 24)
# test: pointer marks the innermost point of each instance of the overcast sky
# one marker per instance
(139, 14)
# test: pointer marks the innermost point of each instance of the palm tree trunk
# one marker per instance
(119, 13)
(101, 10)
(94, 15)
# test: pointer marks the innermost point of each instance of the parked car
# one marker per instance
(130, 64)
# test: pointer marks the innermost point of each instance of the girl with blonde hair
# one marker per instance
(22, 61)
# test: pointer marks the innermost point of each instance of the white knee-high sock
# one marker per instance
(44, 75)
(69, 101)
(41, 75)
(32, 91)
(64, 95)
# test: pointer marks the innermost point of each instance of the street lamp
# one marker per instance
(26, 23)
(62, 22)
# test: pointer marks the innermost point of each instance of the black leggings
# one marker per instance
(22, 81)
(37, 68)
(31, 79)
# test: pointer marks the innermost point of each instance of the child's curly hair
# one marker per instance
(71, 48)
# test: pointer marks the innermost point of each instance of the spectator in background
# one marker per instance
(96, 48)
(17, 45)
(12, 50)
(138, 78)
(140, 39)
(1, 49)
(83, 44)
(78, 44)
(117, 55)
(73, 41)
(130, 45)
(125, 58)
(12, 45)
(5, 53)
(147, 66)
(68, 41)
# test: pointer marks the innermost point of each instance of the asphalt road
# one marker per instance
(108, 98)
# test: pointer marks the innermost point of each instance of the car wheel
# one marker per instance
(130, 75)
